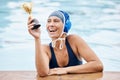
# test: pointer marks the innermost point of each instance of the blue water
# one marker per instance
(96, 21)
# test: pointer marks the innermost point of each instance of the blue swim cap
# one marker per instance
(64, 17)
(67, 25)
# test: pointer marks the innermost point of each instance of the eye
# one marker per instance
(56, 20)
(48, 20)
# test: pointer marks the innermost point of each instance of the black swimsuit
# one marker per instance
(73, 60)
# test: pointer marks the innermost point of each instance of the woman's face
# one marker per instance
(54, 27)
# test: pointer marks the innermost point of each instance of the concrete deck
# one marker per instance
(32, 75)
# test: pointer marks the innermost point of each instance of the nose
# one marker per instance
(51, 24)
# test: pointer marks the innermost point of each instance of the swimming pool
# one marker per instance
(96, 21)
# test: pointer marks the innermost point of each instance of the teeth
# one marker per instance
(52, 30)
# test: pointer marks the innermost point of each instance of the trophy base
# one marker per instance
(37, 25)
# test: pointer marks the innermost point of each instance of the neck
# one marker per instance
(59, 42)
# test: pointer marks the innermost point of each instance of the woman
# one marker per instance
(65, 52)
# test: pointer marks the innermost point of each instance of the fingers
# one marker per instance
(30, 18)
(57, 71)
(52, 72)
(30, 23)
(30, 26)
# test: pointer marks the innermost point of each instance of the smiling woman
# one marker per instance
(96, 21)
(52, 30)
(65, 52)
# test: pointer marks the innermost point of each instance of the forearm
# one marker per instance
(89, 67)
(41, 65)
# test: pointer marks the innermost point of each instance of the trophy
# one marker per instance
(27, 6)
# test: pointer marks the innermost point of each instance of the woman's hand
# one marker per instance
(36, 32)
(57, 71)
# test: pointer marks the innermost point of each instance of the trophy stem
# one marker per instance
(30, 15)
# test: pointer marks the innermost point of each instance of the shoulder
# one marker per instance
(74, 38)
(46, 49)
(45, 46)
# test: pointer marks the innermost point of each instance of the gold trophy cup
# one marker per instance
(27, 6)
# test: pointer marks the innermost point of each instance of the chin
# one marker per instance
(53, 36)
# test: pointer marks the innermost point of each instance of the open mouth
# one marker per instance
(53, 30)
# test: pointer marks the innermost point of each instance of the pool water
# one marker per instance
(96, 21)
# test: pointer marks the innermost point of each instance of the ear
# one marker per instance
(67, 26)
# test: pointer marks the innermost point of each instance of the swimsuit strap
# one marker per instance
(53, 61)
(73, 60)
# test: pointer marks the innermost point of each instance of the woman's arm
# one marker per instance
(93, 62)
(42, 60)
